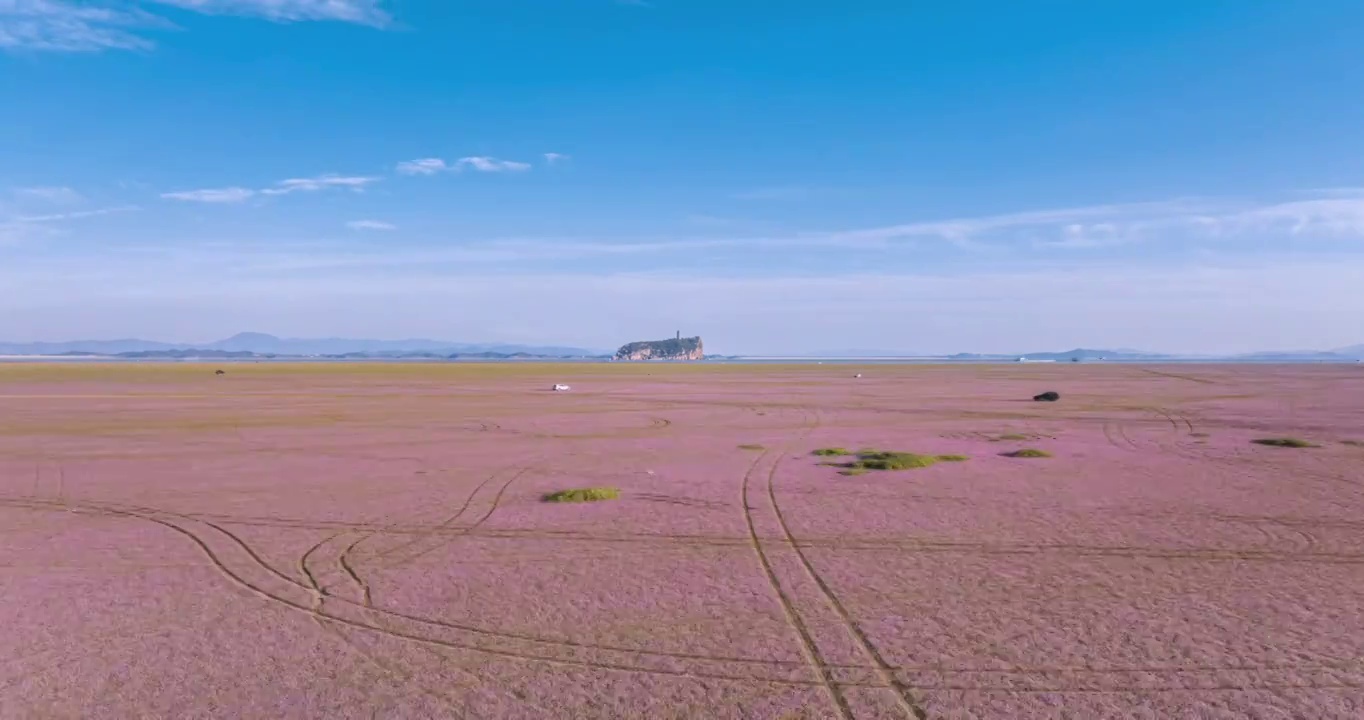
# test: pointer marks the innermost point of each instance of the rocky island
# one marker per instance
(678, 348)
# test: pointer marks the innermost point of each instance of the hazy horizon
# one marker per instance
(827, 352)
(779, 179)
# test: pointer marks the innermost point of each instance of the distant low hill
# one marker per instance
(261, 344)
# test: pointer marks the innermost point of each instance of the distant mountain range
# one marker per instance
(261, 345)
(1353, 352)
(251, 344)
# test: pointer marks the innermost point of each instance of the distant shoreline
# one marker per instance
(753, 360)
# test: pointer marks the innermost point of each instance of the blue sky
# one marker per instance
(776, 176)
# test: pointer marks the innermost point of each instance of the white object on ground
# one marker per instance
(558, 387)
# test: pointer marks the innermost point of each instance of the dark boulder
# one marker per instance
(1048, 396)
(220, 372)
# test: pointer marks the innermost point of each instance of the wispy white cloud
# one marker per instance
(553, 158)
(212, 195)
(363, 12)
(423, 166)
(370, 225)
(78, 214)
(49, 195)
(230, 195)
(482, 163)
(1337, 217)
(86, 26)
(15, 228)
(67, 26)
(321, 182)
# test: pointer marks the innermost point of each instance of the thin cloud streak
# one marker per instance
(19, 228)
(422, 166)
(49, 195)
(361, 12)
(481, 163)
(78, 214)
(321, 182)
(370, 225)
(234, 195)
(490, 164)
(212, 195)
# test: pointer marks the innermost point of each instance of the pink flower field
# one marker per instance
(370, 540)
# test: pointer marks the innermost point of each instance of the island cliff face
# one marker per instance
(670, 349)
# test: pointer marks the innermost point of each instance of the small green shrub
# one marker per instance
(751, 446)
(1285, 442)
(854, 470)
(1012, 436)
(831, 451)
(952, 458)
(578, 495)
(1028, 453)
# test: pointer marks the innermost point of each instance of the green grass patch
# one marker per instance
(1028, 453)
(867, 460)
(751, 446)
(882, 460)
(1285, 442)
(1012, 436)
(578, 495)
(878, 460)
(826, 452)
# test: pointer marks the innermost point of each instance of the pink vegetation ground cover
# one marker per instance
(309, 541)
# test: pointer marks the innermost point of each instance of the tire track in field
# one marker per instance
(1243, 459)
(319, 595)
(216, 561)
(362, 588)
(344, 561)
(1179, 376)
(844, 542)
(236, 578)
(255, 588)
(1113, 430)
(872, 544)
(443, 539)
(904, 697)
(807, 644)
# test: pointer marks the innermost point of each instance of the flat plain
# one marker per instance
(357, 541)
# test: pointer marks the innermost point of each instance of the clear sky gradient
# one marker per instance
(793, 176)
